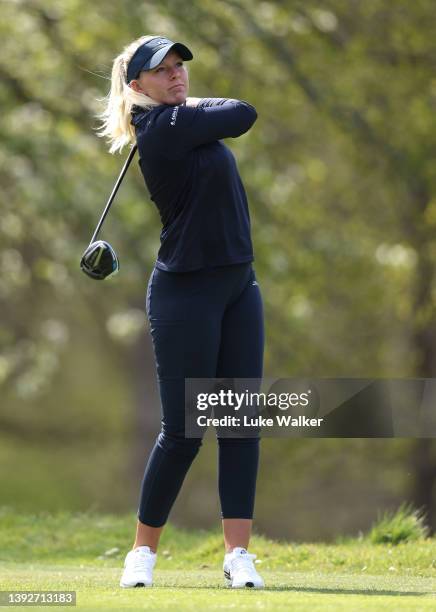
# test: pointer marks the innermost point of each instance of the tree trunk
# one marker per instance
(423, 452)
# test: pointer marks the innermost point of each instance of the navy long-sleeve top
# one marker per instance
(193, 179)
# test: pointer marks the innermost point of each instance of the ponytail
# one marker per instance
(116, 117)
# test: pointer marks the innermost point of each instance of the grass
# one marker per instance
(84, 552)
(404, 525)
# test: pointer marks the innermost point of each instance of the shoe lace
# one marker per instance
(244, 562)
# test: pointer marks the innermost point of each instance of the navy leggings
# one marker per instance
(204, 324)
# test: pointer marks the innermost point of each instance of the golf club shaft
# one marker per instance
(114, 192)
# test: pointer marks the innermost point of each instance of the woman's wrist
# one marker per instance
(192, 101)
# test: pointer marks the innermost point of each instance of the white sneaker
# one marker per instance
(138, 568)
(239, 571)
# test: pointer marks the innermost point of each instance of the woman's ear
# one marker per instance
(136, 86)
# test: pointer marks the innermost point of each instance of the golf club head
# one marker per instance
(99, 260)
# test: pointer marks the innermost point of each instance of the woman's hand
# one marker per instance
(192, 101)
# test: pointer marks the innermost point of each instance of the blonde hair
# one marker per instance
(116, 116)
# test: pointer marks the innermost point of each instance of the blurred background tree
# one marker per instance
(340, 176)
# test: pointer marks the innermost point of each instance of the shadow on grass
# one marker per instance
(354, 591)
(295, 589)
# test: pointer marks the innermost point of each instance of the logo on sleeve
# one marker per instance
(174, 115)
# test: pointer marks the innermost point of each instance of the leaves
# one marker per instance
(338, 171)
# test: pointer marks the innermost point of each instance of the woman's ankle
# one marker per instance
(152, 548)
(146, 535)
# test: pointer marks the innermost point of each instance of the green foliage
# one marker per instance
(341, 198)
(404, 525)
(84, 552)
(340, 179)
(102, 540)
(203, 589)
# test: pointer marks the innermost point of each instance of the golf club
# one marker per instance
(99, 259)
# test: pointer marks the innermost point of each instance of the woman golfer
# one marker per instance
(203, 302)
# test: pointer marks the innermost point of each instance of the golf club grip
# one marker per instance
(114, 191)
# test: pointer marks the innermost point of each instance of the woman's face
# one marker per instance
(168, 83)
